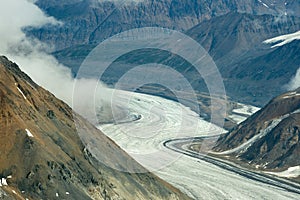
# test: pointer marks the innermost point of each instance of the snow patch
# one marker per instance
(283, 39)
(14, 191)
(242, 111)
(292, 172)
(296, 111)
(243, 147)
(20, 91)
(28, 133)
(266, 164)
(3, 182)
(265, 5)
(237, 118)
(290, 95)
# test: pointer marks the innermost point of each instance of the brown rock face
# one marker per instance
(42, 157)
(278, 127)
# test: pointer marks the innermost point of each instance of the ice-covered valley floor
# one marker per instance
(156, 120)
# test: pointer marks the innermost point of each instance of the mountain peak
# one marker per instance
(15, 70)
(270, 138)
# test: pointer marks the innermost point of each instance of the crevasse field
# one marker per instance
(155, 120)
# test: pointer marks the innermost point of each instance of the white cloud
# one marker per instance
(295, 82)
(31, 54)
(15, 15)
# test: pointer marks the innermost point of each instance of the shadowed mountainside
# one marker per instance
(92, 21)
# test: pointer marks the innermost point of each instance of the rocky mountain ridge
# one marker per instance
(42, 155)
(92, 21)
(270, 138)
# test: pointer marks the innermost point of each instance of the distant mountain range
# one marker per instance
(253, 72)
(43, 157)
(92, 21)
(231, 31)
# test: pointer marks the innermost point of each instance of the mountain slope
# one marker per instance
(43, 157)
(270, 138)
(92, 21)
(231, 31)
(253, 72)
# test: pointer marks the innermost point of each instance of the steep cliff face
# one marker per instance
(42, 156)
(92, 21)
(269, 138)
